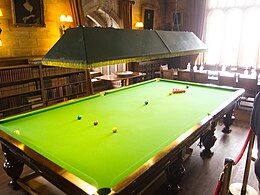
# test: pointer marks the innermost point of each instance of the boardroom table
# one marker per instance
(119, 140)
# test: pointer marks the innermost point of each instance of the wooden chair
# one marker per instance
(250, 86)
(227, 80)
(201, 77)
(185, 76)
(167, 74)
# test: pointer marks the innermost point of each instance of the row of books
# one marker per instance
(76, 77)
(18, 89)
(50, 71)
(15, 111)
(65, 91)
(55, 82)
(21, 103)
(12, 102)
(17, 74)
(61, 81)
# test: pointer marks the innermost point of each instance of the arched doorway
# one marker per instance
(103, 14)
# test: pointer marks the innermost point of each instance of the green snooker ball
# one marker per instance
(95, 123)
(145, 103)
(79, 117)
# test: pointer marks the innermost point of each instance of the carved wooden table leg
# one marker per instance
(12, 166)
(174, 172)
(208, 140)
(228, 120)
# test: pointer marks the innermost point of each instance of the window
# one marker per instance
(232, 33)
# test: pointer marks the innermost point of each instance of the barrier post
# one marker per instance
(227, 174)
(247, 165)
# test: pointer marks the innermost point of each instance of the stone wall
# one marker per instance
(31, 41)
(92, 8)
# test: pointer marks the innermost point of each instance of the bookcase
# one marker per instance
(31, 86)
(152, 68)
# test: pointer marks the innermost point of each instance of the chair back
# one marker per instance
(167, 74)
(185, 76)
(255, 116)
(201, 77)
(249, 84)
(227, 80)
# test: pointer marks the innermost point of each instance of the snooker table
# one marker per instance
(62, 144)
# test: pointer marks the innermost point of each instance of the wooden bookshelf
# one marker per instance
(26, 87)
(152, 68)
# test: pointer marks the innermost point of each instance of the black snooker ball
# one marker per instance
(187, 87)
(95, 123)
(145, 103)
(79, 117)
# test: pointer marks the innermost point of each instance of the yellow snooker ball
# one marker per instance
(17, 132)
(114, 129)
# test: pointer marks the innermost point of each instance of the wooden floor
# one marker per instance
(201, 175)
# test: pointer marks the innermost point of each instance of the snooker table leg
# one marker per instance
(174, 172)
(228, 120)
(12, 166)
(208, 140)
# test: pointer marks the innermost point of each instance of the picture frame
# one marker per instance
(148, 15)
(27, 13)
(177, 20)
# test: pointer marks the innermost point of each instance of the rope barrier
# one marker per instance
(219, 184)
(238, 158)
(225, 173)
(218, 188)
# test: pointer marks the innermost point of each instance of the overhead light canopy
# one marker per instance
(85, 47)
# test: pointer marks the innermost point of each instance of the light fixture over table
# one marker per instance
(85, 47)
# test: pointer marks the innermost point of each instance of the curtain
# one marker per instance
(77, 12)
(232, 33)
(196, 16)
(125, 12)
(196, 12)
